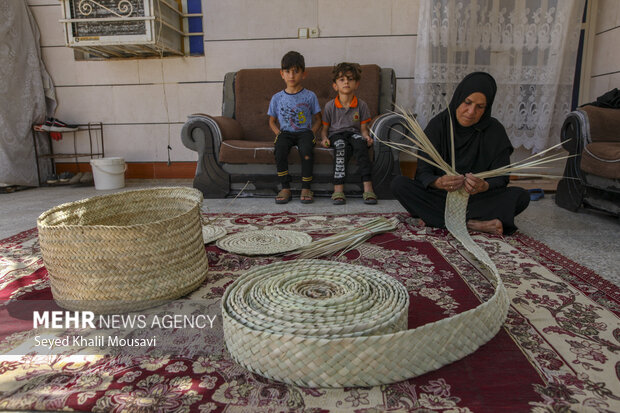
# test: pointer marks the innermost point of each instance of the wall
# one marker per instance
(605, 72)
(143, 103)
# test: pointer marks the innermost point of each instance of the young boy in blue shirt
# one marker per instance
(346, 128)
(295, 118)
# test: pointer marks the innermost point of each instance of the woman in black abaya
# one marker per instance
(480, 144)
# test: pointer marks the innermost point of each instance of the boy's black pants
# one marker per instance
(347, 144)
(304, 141)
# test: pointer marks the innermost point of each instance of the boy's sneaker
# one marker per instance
(45, 127)
(76, 178)
(65, 177)
(60, 126)
(52, 179)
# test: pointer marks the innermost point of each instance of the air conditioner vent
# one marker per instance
(124, 28)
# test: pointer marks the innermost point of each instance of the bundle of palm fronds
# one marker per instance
(421, 147)
(346, 240)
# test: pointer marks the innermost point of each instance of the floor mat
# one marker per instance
(558, 349)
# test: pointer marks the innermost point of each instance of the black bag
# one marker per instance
(610, 99)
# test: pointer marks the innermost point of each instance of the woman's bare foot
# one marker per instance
(493, 226)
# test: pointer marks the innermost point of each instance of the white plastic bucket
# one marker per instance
(108, 173)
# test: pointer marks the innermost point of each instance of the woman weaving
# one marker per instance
(480, 144)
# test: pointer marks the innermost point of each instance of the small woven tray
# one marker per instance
(264, 242)
(212, 233)
(124, 251)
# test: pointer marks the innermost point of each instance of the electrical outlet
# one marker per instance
(314, 32)
(302, 32)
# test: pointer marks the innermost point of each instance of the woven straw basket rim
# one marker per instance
(156, 253)
(43, 219)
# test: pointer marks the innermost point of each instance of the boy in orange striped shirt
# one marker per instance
(346, 128)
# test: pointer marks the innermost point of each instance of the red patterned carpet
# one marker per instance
(558, 350)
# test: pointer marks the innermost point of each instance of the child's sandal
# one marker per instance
(284, 196)
(370, 198)
(338, 198)
(308, 194)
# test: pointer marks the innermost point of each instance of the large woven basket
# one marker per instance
(124, 251)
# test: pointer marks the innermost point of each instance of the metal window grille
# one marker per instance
(127, 28)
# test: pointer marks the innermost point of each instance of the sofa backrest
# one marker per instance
(604, 123)
(253, 89)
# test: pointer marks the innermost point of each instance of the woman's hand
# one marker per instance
(449, 182)
(475, 185)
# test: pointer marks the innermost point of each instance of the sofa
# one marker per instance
(235, 150)
(591, 178)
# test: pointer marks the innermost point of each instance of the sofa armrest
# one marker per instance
(387, 95)
(582, 127)
(589, 124)
(388, 127)
(216, 128)
(574, 136)
(204, 134)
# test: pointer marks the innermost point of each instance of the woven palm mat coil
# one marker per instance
(212, 233)
(318, 323)
(264, 242)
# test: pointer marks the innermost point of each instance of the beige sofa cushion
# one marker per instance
(256, 152)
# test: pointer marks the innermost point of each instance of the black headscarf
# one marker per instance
(481, 147)
(474, 82)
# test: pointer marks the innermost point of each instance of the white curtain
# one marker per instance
(26, 91)
(529, 46)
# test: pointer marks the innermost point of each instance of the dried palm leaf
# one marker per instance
(421, 148)
(347, 240)
(210, 221)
